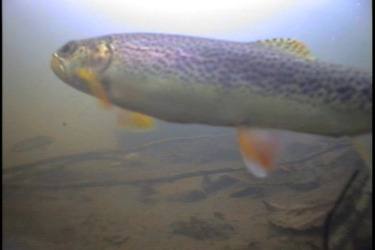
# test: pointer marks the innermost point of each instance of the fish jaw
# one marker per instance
(57, 66)
(61, 69)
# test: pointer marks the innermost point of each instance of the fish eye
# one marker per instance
(68, 48)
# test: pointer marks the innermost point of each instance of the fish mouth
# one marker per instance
(57, 65)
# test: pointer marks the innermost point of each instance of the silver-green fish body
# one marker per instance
(223, 83)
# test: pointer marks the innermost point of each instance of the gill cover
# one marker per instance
(94, 59)
(100, 56)
(94, 55)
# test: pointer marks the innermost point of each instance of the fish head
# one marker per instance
(93, 55)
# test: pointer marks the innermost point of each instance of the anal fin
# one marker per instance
(259, 150)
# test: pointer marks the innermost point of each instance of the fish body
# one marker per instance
(223, 83)
(272, 84)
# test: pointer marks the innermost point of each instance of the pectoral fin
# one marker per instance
(259, 150)
(94, 85)
(134, 121)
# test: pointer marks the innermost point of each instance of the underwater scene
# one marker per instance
(229, 125)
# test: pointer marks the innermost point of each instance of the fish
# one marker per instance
(260, 88)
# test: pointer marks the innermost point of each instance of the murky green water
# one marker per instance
(73, 180)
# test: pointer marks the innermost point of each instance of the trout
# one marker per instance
(256, 87)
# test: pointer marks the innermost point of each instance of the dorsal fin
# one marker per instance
(289, 45)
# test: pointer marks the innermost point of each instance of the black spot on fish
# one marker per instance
(156, 67)
(344, 89)
(219, 215)
(162, 62)
(209, 66)
(345, 96)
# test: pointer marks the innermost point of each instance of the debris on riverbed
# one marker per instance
(203, 229)
(33, 143)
